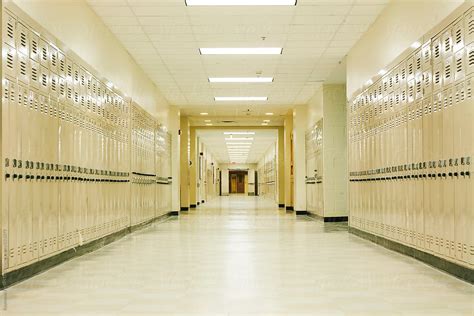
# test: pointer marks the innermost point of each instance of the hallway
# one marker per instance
(240, 256)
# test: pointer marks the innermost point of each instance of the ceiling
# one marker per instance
(214, 140)
(164, 37)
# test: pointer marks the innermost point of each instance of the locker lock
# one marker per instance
(15, 163)
(450, 162)
(468, 161)
(7, 162)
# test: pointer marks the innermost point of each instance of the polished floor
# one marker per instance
(241, 256)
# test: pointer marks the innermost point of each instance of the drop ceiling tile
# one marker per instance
(113, 11)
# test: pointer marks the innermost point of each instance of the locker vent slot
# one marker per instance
(23, 40)
(11, 29)
(447, 44)
(44, 54)
(22, 68)
(53, 60)
(9, 57)
(470, 58)
(34, 74)
(44, 80)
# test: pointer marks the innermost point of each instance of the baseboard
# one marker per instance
(459, 271)
(328, 219)
(174, 213)
(281, 205)
(251, 193)
(192, 206)
(290, 208)
(184, 208)
(33, 269)
(301, 212)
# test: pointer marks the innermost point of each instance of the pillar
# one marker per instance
(299, 158)
(288, 164)
(184, 163)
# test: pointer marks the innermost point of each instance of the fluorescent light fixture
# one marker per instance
(241, 51)
(266, 121)
(239, 147)
(204, 113)
(239, 138)
(269, 113)
(382, 72)
(241, 98)
(241, 80)
(207, 121)
(239, 143)
(239, 2)
(208, 124)
(264, 124)
(239, 133)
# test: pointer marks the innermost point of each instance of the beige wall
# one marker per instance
(77, 26)
(299, 143)
(400, 24)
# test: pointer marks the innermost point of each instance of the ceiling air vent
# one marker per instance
(228, 122)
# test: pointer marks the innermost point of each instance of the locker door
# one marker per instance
(426, 170)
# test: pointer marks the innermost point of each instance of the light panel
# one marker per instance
(239, 133)
(239, 138)
(239, 143)
(241, 51)
(239, 2)
(226, 99)
(241, 80)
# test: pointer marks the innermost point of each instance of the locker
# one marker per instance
(458, 36)
(426, 55)
(436, 48)
(447, 44)
(469, 26)
(44, 79)
(43, 53)
(34, 46)
(437, 76)
(459, 65)
(9, 61)
(9, 29)
(448, 71)
(23, 67)
(469, 62)
(22, 39)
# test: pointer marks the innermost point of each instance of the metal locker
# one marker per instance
(43, 53)
(426, 55)
(9, 61)
(23, 67)
(458, 35)
(448, 71)
(34, 46)
(44, 79)
(22, 39)
(436, 50)
(438, 73)
(447, 43)
(9, 29)
(459, 65)
(469, 26)
(469, 63)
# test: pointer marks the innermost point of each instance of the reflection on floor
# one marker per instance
(241, 256)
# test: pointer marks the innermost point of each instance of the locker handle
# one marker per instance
(20, 176)
(450, 174)
(15, 176)
(455, 174)
(468, 173)
(38, 177)
(7, 176)
(27, 177)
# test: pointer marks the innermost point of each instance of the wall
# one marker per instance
(300, 113)
(399, 25)
(326, 156)
(267, 169)
(207, 174)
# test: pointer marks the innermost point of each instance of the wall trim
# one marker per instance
(329, 219)
(457, 270)
(38, 267)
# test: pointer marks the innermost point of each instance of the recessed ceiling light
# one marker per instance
(240, 2)
(239, 138)
(241, 98)
(239, 133)
(266, 121)
(241, 80)
(239, 143)
(269, 113)
(207, 121)
(241, 51)
(238, 146)
(204, 113)
(208, 124)
(264, 124)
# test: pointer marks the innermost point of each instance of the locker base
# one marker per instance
(184, 208)
(281, 205)
(33, 269)
(192, 206)
(329, 219)
(251, 193)
(301, 212)
(289, 208)
(461, 272)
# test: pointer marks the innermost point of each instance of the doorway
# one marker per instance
(237, 181)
